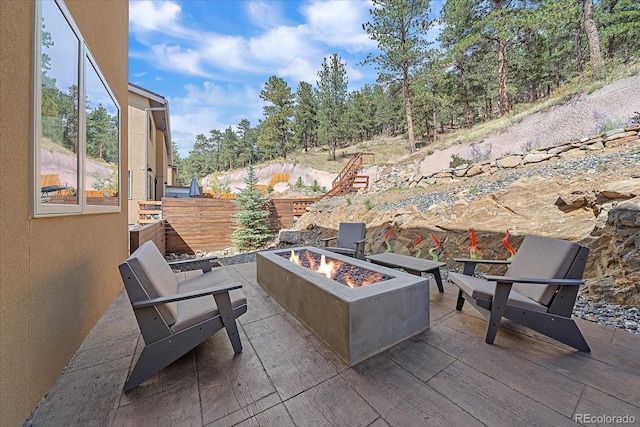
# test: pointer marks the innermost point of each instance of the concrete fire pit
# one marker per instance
(356, 323)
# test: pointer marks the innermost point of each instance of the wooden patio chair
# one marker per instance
(349, 241)
(538, 291)
(174, 317)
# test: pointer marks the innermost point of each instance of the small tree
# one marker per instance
(252, 229)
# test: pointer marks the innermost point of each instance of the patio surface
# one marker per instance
(285, 376)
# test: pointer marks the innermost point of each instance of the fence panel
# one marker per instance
(206, 224)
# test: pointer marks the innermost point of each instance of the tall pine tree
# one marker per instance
(332, 98)
(400, 28)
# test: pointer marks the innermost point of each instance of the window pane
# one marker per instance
(59, 109)
(102, 153)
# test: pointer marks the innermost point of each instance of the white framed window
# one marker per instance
(76, 122)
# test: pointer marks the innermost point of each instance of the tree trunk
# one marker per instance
(503, 95)
(435, 126)
(465, 97)
(591, 31)
(407, 108)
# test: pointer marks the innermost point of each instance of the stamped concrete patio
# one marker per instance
(285, 376)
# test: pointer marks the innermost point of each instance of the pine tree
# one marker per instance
(332, 98)
(252, 221)
(276, 127)
(400, 29)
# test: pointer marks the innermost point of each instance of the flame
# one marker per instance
(294, 258)
(505, 243)
(311, 260)
(326, 268)
(332, 269)
(349, 280)
(474, 245)
(433, 250)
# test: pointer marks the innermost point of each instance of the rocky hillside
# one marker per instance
(586, 191)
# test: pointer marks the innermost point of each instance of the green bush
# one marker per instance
(458, 161)
(368, 204)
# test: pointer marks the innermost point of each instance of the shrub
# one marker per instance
(315, 187)
(458, 161)
(368, 204)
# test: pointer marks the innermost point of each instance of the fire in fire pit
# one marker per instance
(340, 271)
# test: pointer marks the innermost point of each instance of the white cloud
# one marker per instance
(339, 23)
(175, 57)
(300, 69)
(147, 15)
(282, 44)
(226, 52)
(264, 14)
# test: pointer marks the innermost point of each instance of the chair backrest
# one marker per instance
(349, 233)
(156, 278)
(546, 258)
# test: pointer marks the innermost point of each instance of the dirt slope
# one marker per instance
(618, 101)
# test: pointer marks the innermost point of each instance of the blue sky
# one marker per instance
(211, 58)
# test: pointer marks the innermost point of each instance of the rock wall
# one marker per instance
(406, 176)
(598, 208)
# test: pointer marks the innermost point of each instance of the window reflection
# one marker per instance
(102, 141)
(59, 109)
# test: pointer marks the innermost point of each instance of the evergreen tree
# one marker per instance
(400, 27)
(305, 116)
(247, 140)
(332, 96)
(276, 127)
(252, 223)
(229, 149)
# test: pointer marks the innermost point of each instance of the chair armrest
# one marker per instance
(203, 262)
(357, 242)
(470, 264)
(326, 240)
(218, 289)
(535, 281)
(483, 261)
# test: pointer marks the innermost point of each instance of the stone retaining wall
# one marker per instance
(396, 177)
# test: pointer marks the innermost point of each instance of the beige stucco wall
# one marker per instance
(137, 126)
(156, 155)
(55, 280)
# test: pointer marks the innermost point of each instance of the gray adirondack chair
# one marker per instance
(349, 241)
(175, 316)
(538, 291)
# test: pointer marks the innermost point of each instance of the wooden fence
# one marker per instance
(154, 231)
(206, 224)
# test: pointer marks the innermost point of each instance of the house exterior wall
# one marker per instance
(57, 274)
(145, 185)
(137, 165)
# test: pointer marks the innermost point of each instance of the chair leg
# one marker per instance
(436, 275)
(498, 307)
(460, 301)
(223, 301)
(560, 328)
